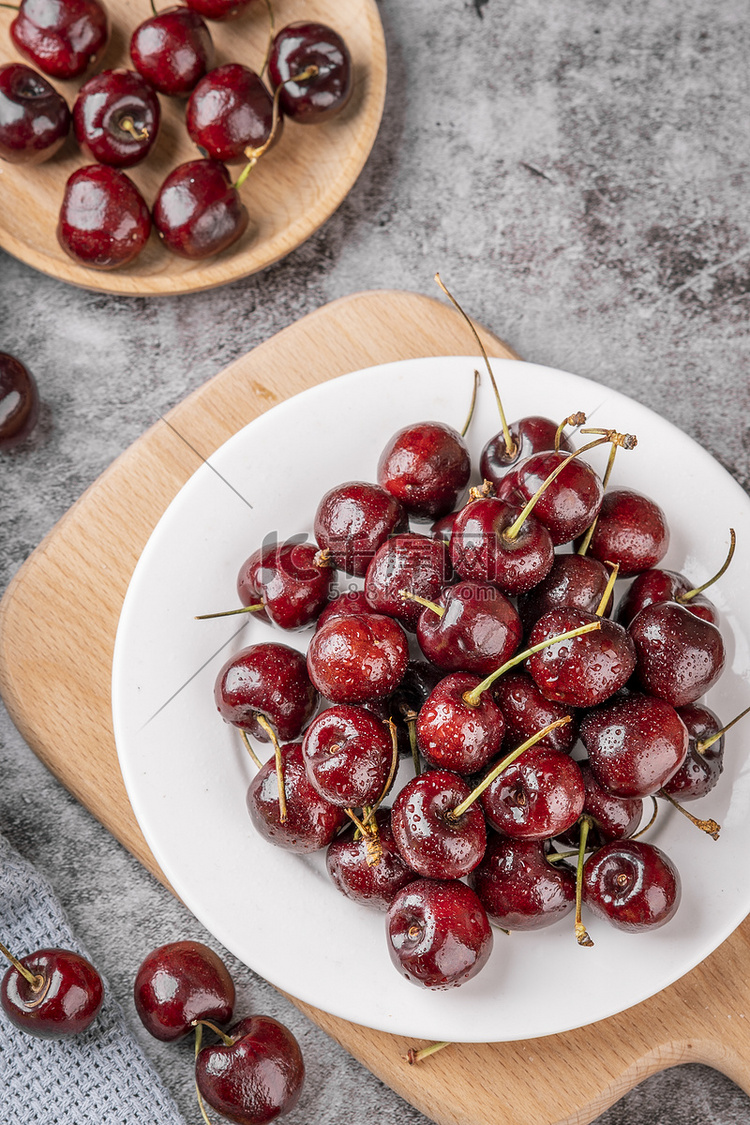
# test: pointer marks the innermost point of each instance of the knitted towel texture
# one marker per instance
(100, 1077)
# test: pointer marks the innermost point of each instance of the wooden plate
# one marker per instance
(289, 194)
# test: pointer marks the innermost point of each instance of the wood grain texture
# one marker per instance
(87, 560)
(289, 194)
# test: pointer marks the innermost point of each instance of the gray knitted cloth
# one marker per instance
(100, 1077)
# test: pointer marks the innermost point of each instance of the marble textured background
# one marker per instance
(579, 172)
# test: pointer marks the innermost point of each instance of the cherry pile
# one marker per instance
(233, 116)
(487, 646)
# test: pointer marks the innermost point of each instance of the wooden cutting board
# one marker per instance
(87, 561)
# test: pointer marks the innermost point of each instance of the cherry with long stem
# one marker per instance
(36, 980)
(710, 827)
(279, 774)
(690, 594)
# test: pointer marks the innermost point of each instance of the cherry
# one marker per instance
(403, 705)
(51, 993)
(532, 434)
(443, 527)
(632, 885)
(410, 562)
(575, 581)
(198, 211)
(229, 112)
(349, 604)
(438, 933)
(426, 467)
(635, 744)
(172, 50)
(586, 670)
(491, 542)
(347, 754)
(63, 37)
(255, 1074)
(526, 711)
(116, 118)
(354, 659)
(19, 402)
(288, 585)
(432, 839)
(104, 221)
(518, 886)
(610, 818)
(570, 504)
(305, 821)
(179, 983)
(455, 735)
(34, 118)
(353, 520)
(366, 872)
(631, 531)
(220, 9)
(536, 797)
(266, 682)
(705, 757)
(470, 627)
(679, 656)
(317, 51)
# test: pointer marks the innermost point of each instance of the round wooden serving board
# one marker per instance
(289, 194)
(88, 559)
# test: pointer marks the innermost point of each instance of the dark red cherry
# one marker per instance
(584, 670)
(527, 711)
(354, 659)
(198, 211)
(652, 586)
(426, 467)
(291, 582)
(62, 38)
(349, 604)
(172, 50)
(368, 871)
(478, 630)
(220, 9)
(570, 503)
(454, 735)
(443, 527)
(34, 118)
(348, 754)
(181, 982)
(116, 118)
(575, 581)
(679, 656)
(438, 933)
(309, 823)
(487, 546)
(255, 1076)
(536, 797)
(353, 520)
(229, 112)
(610, 818)
(635, 744)
(632, 885)
(269, 680)
(631, 531)
(533, 434)
(518, 886)
(702, 767)
(299, 48)
(431, 838)
(63, 998)
(19, 402)
(412, 563)
(104, 221)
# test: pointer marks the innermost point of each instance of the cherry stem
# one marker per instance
(605, 481)
(704, 743)
(407, 597)
(581, 936)
(128, 126)
(460, 809)
(361, 826)
(269, 44)
(482, 491)
(323, 559)
(413, 1056)
(230, 612)
(198, 1041)
(467, 423)
(277, 753)
(643, 831)
(576, 419)
(11, 7)
(710, 827)
(153, 8)
(373, 844)
(699, 589)
(471, 698)
(608, 590)
(36, 980)
(510, 445)
(249, 748)
(411, 725)
(391, 773)
(227, 1040)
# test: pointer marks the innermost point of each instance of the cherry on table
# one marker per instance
(172, 50)
(34, 117)
(353, 520)
(104, 220)
(518, 886)
(62, 37)
(51, 993)
(116, 118)
(179, 983)
(269, 681)
(229, 112)
(19, 402)
(632, 885)
(319, 53)
(198, 211)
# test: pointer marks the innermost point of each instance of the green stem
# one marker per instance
(248, 747)
(600, 609)
(710, 827)
(262, 722)
(413, 1056)
(704, 743)
(467, 423)
(36, 980)
(699, 589)
(581, 936)
(231, 612)
(408, 597)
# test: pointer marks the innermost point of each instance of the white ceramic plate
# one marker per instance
(186, 771)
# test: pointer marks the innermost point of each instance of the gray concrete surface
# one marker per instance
(579, 172)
